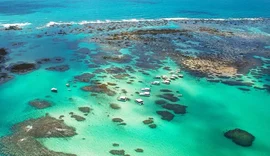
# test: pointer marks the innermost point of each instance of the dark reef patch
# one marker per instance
(117, 120)
(244, 89)
(13, 27)
(77, 117)
(176, 108)
(85, 109)
(169, 97)
(115, 106)
(240, 137)
(40, 104)
(161, 102)
(85, 77)
(165, 90)
(99, 88)
(22, 67)
(121, 76)
(60, 68)
(115, 70)
(23, 141)
(165, 115)
(117, 152)
(50, 60)
(237, 83)
(4, 77)
(117, 58)
(148, 121)
(153, 126)
(139, 150)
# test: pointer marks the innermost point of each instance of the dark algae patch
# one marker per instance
(240, 137)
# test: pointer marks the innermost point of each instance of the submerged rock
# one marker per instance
(60, 68)
(152, 126)
(240, 137)
(85, 109)
(22, 68)
(117, 152)
(121, 76)
(13, 27)
(85, 77)
(139, 150)
(161, 102)
(176, 108)
(117, 120)
(50, 60)
(3, 53)
(244, 89)
(111, 84)
(237, 83)
(99, 88)
(118, 58)
(169, 97)
(115, 70)
(165, 90)
(148, 121)
(40, 104)
(115, 144)
(115, 106)
(77, 117)
(23, 139)
(4, 77)
(165, 115)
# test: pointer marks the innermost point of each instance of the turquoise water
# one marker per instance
(41, 12)
(212, 108)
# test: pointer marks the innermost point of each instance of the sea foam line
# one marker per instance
(150, 20)
(51, 23)
(15, 24)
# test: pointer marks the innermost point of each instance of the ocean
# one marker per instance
(215, 55)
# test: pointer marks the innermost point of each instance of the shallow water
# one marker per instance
(212, 108)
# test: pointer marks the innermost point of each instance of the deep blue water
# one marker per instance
(41, 11)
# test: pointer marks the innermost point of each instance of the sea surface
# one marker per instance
(76, 30)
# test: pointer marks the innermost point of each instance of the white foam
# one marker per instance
(15, 24)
